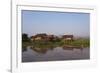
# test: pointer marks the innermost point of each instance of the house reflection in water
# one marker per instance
(41, 49)
(67, 48)
(44, 50)
(72, 48)
(33, 54)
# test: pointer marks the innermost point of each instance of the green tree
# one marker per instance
(25, 37)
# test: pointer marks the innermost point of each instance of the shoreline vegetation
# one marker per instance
(46, 41)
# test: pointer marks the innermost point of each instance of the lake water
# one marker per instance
(31, 54)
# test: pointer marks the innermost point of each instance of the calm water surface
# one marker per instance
(31, 54)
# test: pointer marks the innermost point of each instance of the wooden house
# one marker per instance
(39, 37)
(67, 37)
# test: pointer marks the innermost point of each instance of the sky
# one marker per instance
(57, 23)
